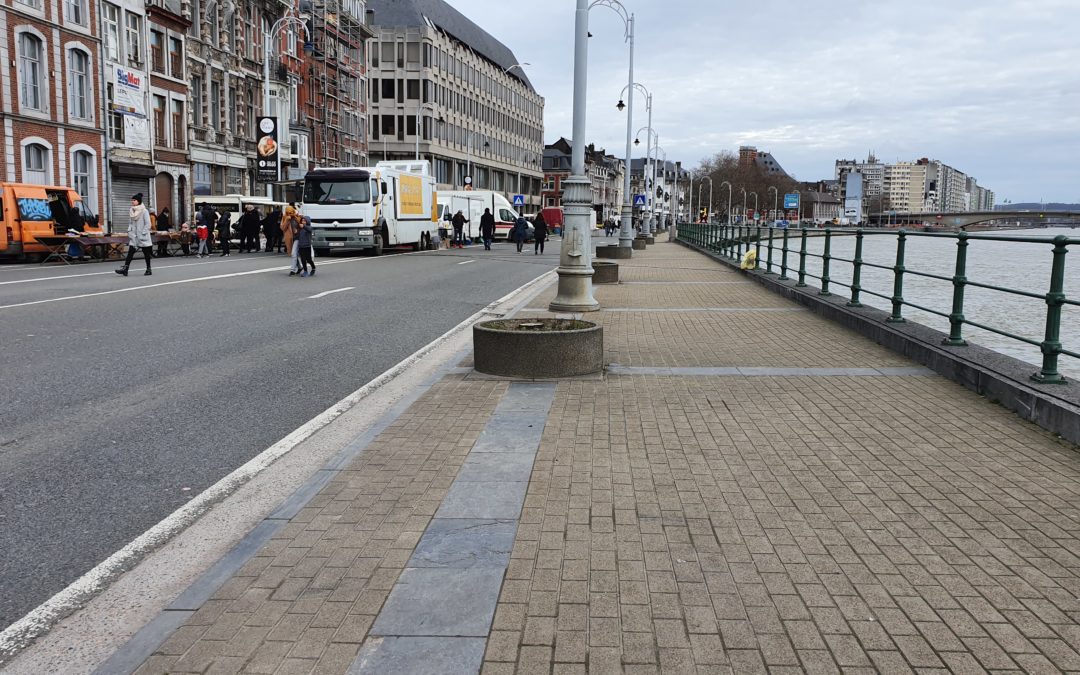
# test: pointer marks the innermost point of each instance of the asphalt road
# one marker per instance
(120, 405)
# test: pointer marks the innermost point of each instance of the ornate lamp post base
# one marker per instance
(575, 259)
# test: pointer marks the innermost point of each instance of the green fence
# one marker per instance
(775, 249)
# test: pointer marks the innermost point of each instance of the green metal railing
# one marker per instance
(730, 241)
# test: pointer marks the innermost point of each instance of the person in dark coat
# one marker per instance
(164, 224)
(520, 232)
(458, 222)
(272, 229)
(540, 233)
(249, 230)
(224, 232)
(487, 228)
(210, 217)
(303, 239)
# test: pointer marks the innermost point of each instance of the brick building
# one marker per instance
(51, 98)
(168, 106)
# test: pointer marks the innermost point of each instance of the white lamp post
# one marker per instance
(278, 25)
(626, 230)
(419, 109)
(728, 218)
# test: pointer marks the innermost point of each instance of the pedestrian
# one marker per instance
(210, 217)
(163, 226)
(272, 230)
(138, 235)
(303, 243)
(290, 225)
(487, 228)
(249, 229)
(540, 233)
(185, 238)
(520, 232)
(202, 233)
(444, 234)
(459, 226)
(224, 232)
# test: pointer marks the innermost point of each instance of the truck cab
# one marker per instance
(30, 211)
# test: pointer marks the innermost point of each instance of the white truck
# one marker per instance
(472, 204)
(371, 208)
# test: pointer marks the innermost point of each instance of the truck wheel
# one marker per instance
(378, 250)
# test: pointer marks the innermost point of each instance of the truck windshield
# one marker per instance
(325, 191)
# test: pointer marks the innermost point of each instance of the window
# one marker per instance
(76, 11)
(36, 164)
(196, 101)
(388, 54)
(413, 54)
(388, 89)
(250, 41)
(157, 51)
(133, 38)
(112, 32)
(232, 111)
(178, 135)
(116, 120)
(36, 4)
(176, 58)
(215, 105)
(31, 71)
(160, 133)
(413, 89)
(79, 84)
(82, 175)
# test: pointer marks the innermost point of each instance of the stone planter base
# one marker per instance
(650, 240)
(538, 348)
(639, 244)
(605, 272)
(613, 252)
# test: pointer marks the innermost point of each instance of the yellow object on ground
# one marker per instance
(749, 260)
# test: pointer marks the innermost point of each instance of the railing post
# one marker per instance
(956, 317)
(802, 260)
(738, 243)
(1051, 345)
(897, 315)
(825, 258)
(757, 247)
(783, 258)
(768, 266)
(856, 272)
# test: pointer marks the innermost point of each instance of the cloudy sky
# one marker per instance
(990, 87)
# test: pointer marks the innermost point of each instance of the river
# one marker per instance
(1020, 266)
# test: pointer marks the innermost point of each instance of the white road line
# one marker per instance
(130, 289)
(24, 631)
(326, 293)
(466, 262)
(159, 266)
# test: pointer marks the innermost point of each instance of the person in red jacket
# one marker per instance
(202, 233)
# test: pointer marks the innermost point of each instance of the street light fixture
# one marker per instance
(755, 206)
(284, 21)
(743, 204)
(775, 203)
(648, 170)
(626, 226)
(728, 218)
(419, 131)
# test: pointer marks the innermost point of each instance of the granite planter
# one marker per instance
(613, 251)
(538, 348)
(639, 244)
(605, 272)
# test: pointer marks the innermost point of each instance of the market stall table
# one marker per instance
(58, 246)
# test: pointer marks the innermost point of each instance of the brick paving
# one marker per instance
(708, 524)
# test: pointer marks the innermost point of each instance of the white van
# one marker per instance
(472, 204)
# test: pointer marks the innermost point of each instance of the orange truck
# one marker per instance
(29, 211)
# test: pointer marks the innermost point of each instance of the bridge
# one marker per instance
(964, 219)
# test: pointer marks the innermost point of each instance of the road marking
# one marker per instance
(130, 289)
(326, 293)
(466, 262)
(159, 266)
(41, 619)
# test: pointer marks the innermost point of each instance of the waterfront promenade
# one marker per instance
(748, 488)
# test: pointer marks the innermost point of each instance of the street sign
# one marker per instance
(639, 200)
(791, 201)
(519, 200)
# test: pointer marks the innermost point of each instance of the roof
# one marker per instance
(421, 13)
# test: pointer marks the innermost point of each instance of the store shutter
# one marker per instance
(121, 192)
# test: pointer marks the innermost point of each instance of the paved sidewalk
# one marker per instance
(750, 488)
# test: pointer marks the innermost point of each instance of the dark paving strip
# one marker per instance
(144, 643)
(685, 283)
(439, 612)
(755, 371)
(679, 310)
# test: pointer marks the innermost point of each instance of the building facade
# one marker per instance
(443, 88)
(51, 101)
(169, 107)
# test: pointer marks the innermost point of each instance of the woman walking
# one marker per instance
(539, 233)
(290, 226)
(138, 235)
(520, 232)
(224, 232)
(303, 242)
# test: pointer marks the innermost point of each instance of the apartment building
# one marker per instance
(443, 88)
(605, 173)
(169, 107)
(51, 96)
(904, 187)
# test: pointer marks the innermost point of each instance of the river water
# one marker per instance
(1020, 266)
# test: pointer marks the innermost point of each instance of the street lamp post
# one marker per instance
(755, 207)
(419, 109)
(727, 219)
(575, 264)
(648, 175)
(775, 202)
(626, 229)
(743, 204)
(657, 202)
(267, 38)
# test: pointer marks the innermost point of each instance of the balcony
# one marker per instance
(278, 70)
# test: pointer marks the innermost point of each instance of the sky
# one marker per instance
(989, 87)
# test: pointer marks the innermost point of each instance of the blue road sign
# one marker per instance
(639, 200)
(519, 200)
(791, 201)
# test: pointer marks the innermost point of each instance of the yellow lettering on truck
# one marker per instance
(411, 199)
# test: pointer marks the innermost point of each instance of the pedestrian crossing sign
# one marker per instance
(519, 200)
(639, 200)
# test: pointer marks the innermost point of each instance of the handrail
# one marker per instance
(730, 241)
